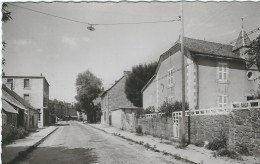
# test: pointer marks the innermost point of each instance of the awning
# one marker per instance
(8, 108)
(15, 104)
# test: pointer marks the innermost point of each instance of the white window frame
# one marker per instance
(222, 101)
(222, 71)
(170, 77)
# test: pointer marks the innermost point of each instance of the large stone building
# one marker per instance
(215, 75)
(34, 90)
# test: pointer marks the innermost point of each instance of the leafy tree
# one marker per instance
(6, 16)
(88, 87)
(254, 52)
(168, 108)
(136, 80)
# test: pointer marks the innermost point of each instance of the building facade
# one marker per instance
(114, 98)
(215, 75)
(34, 90)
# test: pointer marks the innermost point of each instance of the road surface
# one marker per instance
(79, 143)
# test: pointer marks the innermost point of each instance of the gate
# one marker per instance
(175, 118)
(176, 122)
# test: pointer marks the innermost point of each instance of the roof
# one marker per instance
(201, 47)
(242, 41)
(7, 107)
(102, 94)
(29, 77)
(15, 97)
(148, 83)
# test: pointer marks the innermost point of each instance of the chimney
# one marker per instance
(41, 74)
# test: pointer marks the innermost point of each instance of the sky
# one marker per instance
(61, 49)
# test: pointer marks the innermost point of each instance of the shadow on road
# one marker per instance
(60, 155)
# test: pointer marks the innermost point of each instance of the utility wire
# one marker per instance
(96, 24)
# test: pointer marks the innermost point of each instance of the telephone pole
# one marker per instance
(183, 76)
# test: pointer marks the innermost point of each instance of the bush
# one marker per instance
(139, 130)
(199, 143)
(217, 144)
(168, 108)
(243, 150)
(228, 153)
(10, 133)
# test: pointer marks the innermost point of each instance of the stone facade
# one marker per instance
(35, 89)
(245, 130)
(157, 127)
(207, 127)
(114, 98)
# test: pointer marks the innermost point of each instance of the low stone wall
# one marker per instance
(245, 130)
(207, 127)
(157, 127)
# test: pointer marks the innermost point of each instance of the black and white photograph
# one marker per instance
(130, 82)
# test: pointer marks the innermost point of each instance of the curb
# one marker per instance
(98, 128)
(136, 142)
(23, 154)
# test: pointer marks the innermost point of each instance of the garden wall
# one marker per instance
(157, 127)
(207, 127)
(241, 128)
(245, 130)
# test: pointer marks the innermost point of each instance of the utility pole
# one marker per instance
(183, 77)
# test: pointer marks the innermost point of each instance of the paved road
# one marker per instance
(80, 143)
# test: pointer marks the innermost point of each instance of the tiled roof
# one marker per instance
(15, 97)
(201, 47)
(242, 41)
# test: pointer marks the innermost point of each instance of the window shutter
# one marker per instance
(23, 83)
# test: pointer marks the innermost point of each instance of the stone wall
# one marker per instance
(207, 127)
(157, 127)
(245, 130)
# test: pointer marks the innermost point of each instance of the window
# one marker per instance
(26, 83)
(222, 71)
(170, 91)
(26, 97)
(170, 100)
(170, 77)
(10, 82)
(222, 101)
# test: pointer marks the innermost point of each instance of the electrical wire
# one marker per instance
(95, 24)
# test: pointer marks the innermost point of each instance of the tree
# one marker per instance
(88, 87)
(136, 80)
(254, 53)
(6, 16)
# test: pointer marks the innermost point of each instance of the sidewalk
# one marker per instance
(191, 153)
(20, 147)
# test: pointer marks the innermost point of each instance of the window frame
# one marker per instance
(25, 83)
(12, 83)
(26, 94)
(222, 103)
(170, 77)
(221, 71)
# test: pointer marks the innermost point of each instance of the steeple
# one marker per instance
(243, 42)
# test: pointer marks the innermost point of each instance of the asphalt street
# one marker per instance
(80, 143)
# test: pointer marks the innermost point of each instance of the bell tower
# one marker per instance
(242, 44)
